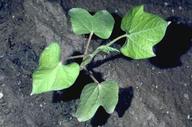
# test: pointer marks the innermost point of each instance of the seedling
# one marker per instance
(143, 31)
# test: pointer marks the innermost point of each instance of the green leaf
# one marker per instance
(52, 74)
(144, 31)
(107, 49)
(50, 57)
(101, 24)
(95, 95)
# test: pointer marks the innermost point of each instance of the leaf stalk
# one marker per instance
(92, 76)
(116, 39)
(88, 43)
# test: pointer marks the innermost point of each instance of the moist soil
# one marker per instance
(156, 92)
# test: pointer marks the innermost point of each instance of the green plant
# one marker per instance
(143, 31)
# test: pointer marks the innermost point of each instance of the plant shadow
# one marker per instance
(112, 57)
(176, 42)
(100, 118)
(125, 99)
(74, 91)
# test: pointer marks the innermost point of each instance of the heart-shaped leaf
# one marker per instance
(101, 24)
(144, 31)
(94, 95)
(52, 74)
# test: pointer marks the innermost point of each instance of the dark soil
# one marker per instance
(154, 93)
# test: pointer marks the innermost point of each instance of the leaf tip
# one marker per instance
(54, 43)
(168, 23)
(72, 10)
(110, 111)
(31, 94)
(139, 8)
(80, 119)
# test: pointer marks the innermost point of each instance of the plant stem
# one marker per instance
(96, 51)
(94, 79)
(92, 76)
(88, 43)
(75, 57)
(116, 39)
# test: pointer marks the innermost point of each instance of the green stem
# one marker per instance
(92, 76)
(88, 43)
(88, 58)
(94, 79)
(110, 43)
(116, 39)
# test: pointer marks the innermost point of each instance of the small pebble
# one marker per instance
(19, 82)
(2, 78)
(189, 117)
(41, 105)
(166, 3)
(60, 123)
(141, 83)
(2, 55)
(167, 112)
(185, 84)
(180, 8)
(173, 11)
(1, 95)
(186, 96)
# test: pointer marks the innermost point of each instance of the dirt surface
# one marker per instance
(155, 92)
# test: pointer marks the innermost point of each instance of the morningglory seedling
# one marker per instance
(143, 31)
